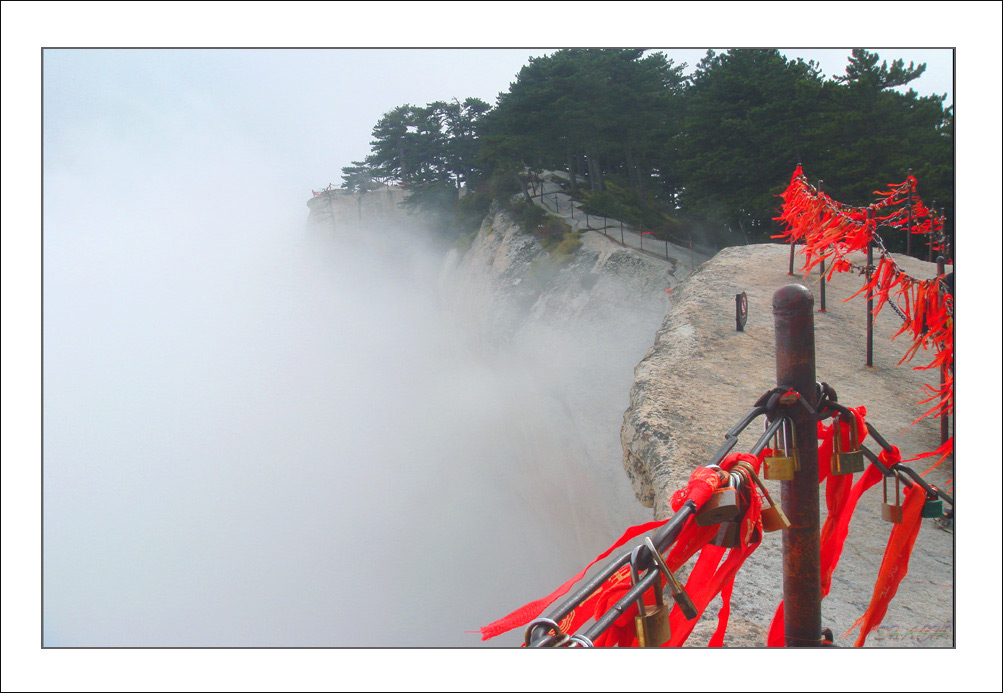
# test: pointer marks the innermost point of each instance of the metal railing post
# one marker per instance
(908, 230)
(944, 423)
(821, 269)
(794, 324)
(870, 298)
(821, 287)
(929, 235)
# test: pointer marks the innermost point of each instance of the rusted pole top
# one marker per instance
(794, 323)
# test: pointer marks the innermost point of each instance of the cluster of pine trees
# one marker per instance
(705, 153)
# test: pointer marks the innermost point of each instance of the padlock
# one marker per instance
(781, 467)
(933, 507)
(729, 534)
(846, 461)
(652, 623)
(679, 593)
(720, 507)
(773, 517)
(889, 512)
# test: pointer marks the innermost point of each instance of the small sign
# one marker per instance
(741, 311)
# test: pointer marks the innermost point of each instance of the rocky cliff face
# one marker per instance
(580, 326)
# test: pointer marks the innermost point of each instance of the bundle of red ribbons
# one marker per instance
(710, 576)
(831, 231)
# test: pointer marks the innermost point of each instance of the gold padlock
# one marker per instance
(652, 623)
(720, 507)
(781, 467)
(846, 461)
(889, 512)
(773, 516)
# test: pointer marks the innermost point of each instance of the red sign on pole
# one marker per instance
(741, 311)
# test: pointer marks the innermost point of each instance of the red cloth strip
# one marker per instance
(895, 564)
(527, 613)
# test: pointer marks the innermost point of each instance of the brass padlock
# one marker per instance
(720, 507)
(679, 593)
(652, 623)
(780, 466)
(773, 516)
(889, 512)
(846, 461)
(933, 507)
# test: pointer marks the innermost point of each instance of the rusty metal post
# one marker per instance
(821, 276)
(870, 298)
(821, 286)
(908, 228)
(944, 423)
(929, 235)
(794, 325)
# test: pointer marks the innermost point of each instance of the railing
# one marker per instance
(617, 231)
(799, 402)
(831, 230)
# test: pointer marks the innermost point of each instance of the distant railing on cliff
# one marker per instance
(618, 231)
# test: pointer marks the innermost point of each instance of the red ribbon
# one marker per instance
(895, 564)
(528, 612)
(831, 230)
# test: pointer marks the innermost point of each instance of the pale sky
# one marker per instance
(184, 135)
(306, 113)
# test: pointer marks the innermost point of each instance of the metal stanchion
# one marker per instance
(821, 286)
(908, 230)
(944, 423)
(870, 298)
(794, 325)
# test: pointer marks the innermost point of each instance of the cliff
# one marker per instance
(341, 209)
(580, 324)
(611, 340)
